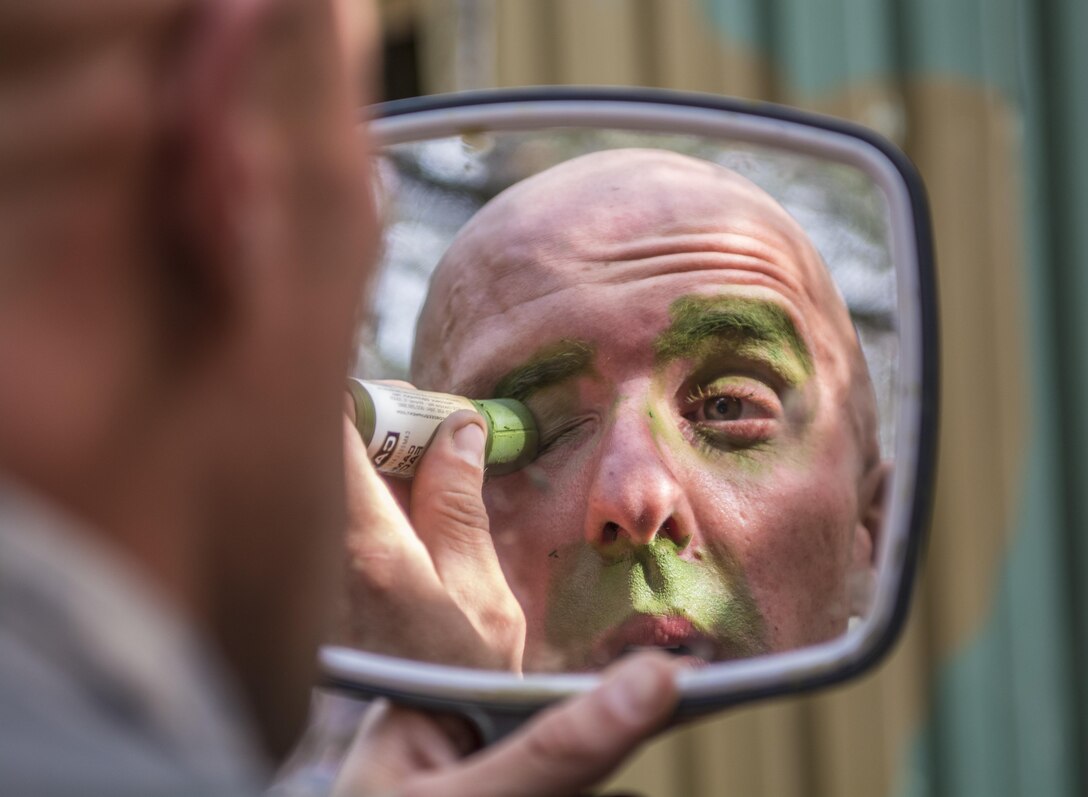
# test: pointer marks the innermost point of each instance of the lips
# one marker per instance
(672, 634)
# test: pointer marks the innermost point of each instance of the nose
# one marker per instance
(634, 497)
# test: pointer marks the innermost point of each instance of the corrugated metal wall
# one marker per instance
(983, 695)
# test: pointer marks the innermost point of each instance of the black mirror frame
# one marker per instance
(495, 717)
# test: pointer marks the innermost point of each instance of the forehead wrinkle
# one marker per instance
(740, 269)
(580, 252)
(514, 281)
(551, 262)
(505, 309)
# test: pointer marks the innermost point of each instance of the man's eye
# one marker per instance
(723, 408)
(731, 402)
(561, 434)
(733, 412)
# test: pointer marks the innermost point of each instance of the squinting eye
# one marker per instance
(723, 408)
(564, 433)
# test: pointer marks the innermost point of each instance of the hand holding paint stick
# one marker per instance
(397, 424)
(423, 579)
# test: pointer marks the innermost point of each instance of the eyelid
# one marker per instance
(550, 436)
(763, 396)
(755, 367)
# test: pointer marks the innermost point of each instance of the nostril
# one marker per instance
(670, 530)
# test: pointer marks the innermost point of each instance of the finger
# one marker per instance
(571, 747)
(447, 511)
(374, 517)
(387, 564)
(447, 507)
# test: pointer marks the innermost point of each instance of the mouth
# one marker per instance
(699, 651)
(675, 635)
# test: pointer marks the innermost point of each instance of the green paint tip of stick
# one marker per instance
(512, 436)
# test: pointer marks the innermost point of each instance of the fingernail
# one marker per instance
(633, 690)
(469, 442)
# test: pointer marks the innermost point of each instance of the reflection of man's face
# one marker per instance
(708, 468)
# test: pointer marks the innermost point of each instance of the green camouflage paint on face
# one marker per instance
(666, 432)
(703, 329)
(547, 366)
(751, 328)
(544, 373)
(593, 592)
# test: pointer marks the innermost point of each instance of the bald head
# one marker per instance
(698, 384)
(622, 215)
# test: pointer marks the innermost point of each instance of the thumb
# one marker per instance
(448, 514)
(447, 507)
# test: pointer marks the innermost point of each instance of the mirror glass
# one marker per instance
(706, 332)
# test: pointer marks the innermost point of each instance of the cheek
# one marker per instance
(535, 518)
(790, 534)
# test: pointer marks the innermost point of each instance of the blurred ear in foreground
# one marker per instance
(184, 211)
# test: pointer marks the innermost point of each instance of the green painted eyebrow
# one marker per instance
(753, 328)
(547, 366)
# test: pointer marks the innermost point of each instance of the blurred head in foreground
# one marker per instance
(181, 189)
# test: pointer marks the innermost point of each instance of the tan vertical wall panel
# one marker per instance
(783, 753)
(728, 752)
(685, 54)
(600, 38)
(900, 687)
(734, 752)
(437, 44)
(758, 750)
(526, 43)
(970, 520)
(689, 53)
(754, 750)
(847, 721)
(653, 770)
(878, 104)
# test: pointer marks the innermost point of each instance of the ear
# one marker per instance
(224, 191)
(867, 531)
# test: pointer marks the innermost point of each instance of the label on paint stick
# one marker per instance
(404, 423)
